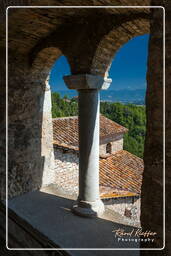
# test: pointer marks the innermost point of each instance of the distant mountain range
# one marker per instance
(136, 96)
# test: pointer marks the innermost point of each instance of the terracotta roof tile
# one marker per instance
(121, 175)
(65, 131)
(120, 172)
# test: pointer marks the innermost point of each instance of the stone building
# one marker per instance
(120, 171)
(89, 38)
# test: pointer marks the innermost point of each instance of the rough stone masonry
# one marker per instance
(41, 36)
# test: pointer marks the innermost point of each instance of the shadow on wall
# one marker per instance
(69, 156)
(30, 134)
(122, 200)
(25, 160)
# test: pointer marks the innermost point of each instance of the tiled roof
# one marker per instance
(120, 172)
(65, 131)
(121, 175)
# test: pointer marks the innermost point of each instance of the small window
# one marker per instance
(109, 148)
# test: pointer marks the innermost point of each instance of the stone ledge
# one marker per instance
(50, 215)
(23, 235)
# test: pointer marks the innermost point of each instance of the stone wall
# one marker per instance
(152, 185)
(29, 40)
(2, 125)
(30, 150)
(46, 141)
(66, 179)
(116, 145)
(128, 207)
(66, 170)
(168, 126)
(104, 33)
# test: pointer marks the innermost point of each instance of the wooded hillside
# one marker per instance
(131, 116)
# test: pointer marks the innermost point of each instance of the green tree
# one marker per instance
(130, 116)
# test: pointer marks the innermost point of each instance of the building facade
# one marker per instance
(120, 171)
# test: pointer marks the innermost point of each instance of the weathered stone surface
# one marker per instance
(37, 29)
(30, 149)
(128, 207)
(87, 81)
(152, 212)
(66, 180)
(46, 139)
(36, 38)
(66, 171)
(89, 39)
(116, 144)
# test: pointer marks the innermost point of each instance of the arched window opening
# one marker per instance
(124, 101)
(64, 100)
(109, 148)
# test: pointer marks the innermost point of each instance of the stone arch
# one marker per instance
(45, 58)
(42, 61)
(29, 87)
(111, 43)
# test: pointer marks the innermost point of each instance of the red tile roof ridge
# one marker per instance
(126, 152)
(65, 129)
(65, 117)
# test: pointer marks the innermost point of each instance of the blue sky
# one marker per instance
(128, 69)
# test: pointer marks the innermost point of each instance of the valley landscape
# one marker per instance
(135, 96)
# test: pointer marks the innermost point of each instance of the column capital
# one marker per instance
(87, 81)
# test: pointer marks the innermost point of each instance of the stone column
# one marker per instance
(88, 86)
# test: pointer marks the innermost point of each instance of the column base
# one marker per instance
(88, 209)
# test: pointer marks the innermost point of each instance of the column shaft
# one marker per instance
(89, 145)
(88, 86)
